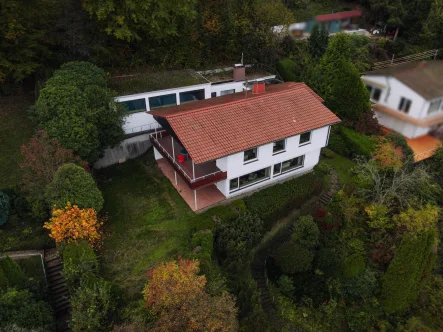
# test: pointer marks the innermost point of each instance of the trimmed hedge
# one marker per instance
(274, 202)
(350, 143)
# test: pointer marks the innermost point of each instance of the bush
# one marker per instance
(73, 184)
(358, 144)
(400, 141)
(4, 208)
(353, 265)
(78, 259)
(361, 286)
(322, 167)
(287, 69)
(293, 258)
(306, 232)
(274, 202)
(205, 241)
(327, 153)
(12, 272)
(286, 286)
(337, 143)
(430, 304)
(328, 262)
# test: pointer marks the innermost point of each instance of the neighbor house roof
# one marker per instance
(217, 127)
(424, 77)
(337, 16)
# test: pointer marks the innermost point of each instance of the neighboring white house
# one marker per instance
(408, 98)
(238, 143)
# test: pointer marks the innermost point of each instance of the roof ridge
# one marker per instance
(292, 86)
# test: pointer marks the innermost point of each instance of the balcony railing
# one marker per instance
(195, 174)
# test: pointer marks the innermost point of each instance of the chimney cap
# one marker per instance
(239, 65)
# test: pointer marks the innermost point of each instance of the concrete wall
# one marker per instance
(235, 166)
(128, 149)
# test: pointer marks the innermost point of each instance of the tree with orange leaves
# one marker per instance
(73, 223)
(176, 294)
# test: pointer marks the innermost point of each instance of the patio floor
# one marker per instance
(206, 196)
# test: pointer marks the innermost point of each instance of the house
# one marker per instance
(408, 99)
(141, 93)
(219, 148)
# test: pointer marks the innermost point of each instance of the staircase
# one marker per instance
(58, 289)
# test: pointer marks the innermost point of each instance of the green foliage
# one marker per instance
(358, 144)
(293, 258)
(353, 265)
(415, 221)
(435, 166)
(18, 308)
(4, 208)
(204, 240)
(401, 281)
(77, 109)
(94, 305)
(378, 217)
(318, 41)
(274, 202)
(430, 302)
(78, 259)
(286, 285)
(287, 69)
(73, 184)
(400, 141)
(361, 286)
(337, 143)
(306, 232)
(12, 272)
(328, 262)
(323, 167)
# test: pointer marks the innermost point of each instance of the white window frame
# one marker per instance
(279, 151)
(439, 108)
(269, 168)
(288, 170)
(403, 109)
(227, 92)
(372, 92)
(308, 142)
(250, 160)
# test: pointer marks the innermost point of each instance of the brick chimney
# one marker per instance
(239, 72)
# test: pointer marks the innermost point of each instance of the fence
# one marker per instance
(409, 58)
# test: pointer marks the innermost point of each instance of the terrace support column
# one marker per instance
(173, 150)
(195, 199)
(193, 170)
(175, 175)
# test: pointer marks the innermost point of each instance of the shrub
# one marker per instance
(367, 124)
(306, 232)
(287, 69)
(358, 144)
(328, 262)
(293, 258)
(4, 208)
(430, 304)
(205, 241)
(337, 143)
(272, 203)
(12, 272)
(353, 265)
(18, 308)
(323, 167)
(94, 305)
(286, 285)
(78, 259)
(415, 221)
(362, 286)
(327, 153)
(400, 283)
(388, 156)
(400, 141)
(73, 184)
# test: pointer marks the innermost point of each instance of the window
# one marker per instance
(188, 96)
(250, 155)
(305, 138)
(162, 101)
(249, 179)
(405, 105)
(374, 93)
(279, 146)
(227, 92)
(137, 105)
(289, 165)
(434, 106)
(369, 89)
(213, 94)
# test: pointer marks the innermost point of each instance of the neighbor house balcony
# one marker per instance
(195, 175)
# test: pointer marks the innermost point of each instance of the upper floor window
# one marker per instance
(137, 105)
(163, 101)
(374, 93)
(405, 105)
(213, 94)
(434, 106)
(305, 138)
(227, 92)
(191, 96)
(279, 146)
(250, 155)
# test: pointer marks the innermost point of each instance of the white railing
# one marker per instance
(405, 59)
(146, 127)
(155, 136)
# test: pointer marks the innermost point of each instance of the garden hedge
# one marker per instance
(293, 258)
(350, 143)
(274, 202)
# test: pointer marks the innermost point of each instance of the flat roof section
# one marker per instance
(146, 82)
(252, 74)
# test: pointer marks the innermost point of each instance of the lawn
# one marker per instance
(343, 167)
(148, 222)
(15, 130)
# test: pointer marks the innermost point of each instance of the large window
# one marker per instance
(137, 105)
(250, 155)
(305, 138)
(227, 92)
(188, 96)
(288, 165)
(374, 93)
(405, 105)
(249, 179)
(434, 106)
(279, 146)
(162, 101)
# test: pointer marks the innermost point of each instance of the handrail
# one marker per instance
(151, 126)
(153, 136)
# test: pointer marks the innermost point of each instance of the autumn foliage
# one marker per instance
(388, 155)
(176, 294)
(73, 223)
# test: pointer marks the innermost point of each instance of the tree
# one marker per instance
(306, 232)
(176, 293)
(73, 224)
(415, 221)
(293, 258)
(401, 281)
(42, 156)
(13, 273)
(79, 110)
(318, 41)
(4, 208)
(73, 184)
(432, 30)
(388, 156)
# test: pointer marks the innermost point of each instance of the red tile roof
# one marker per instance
(213, 128)
(337, 16)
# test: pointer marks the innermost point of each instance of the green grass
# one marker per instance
(148, 222)
(343, 167)
(15, 130)
(320, 7)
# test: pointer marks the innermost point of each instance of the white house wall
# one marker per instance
(236, 167)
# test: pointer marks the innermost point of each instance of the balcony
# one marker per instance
(195, 175)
